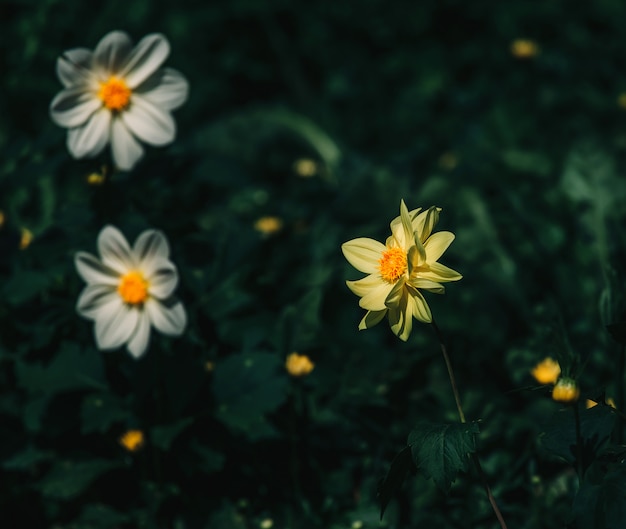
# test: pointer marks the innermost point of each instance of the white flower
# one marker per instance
(120, 94)
(128, 290)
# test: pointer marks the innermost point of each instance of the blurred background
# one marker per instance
(306, 124)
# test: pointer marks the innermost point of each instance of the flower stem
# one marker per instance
(620, 390)
(579, 443)
(457, 399)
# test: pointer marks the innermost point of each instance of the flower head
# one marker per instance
(118, 94)
(129, 290)
(566, 390)
(132, 440)
(547, 371)
(399, 269)
(299, 365)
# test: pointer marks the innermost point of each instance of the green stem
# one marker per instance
(620, 390)
(457, 399)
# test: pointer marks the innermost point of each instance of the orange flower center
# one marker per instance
(114, 93)
(133, 288)
(392, 264)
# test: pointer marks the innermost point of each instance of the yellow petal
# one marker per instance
(419, 307)
(372, 318)
(394, 297)
(436, 244)
(440, 273)
(425, 222)
(363, 286)
(363, 253)
(427, 284)
(375, 297)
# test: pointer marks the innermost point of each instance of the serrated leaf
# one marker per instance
(398, 470)
(441, 451)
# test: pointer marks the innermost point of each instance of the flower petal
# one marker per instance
(111, 53)
(168, 317)
(93, 298)
(376, 297)
(73, 106)
(138, 343)
(126, 149)
(440, 273)
(427, 284)
(418, 306)
(437, 244)
(371, 318)
(115, 251)
(149, 245)
(149, 123)
(166, 89)
(115, 328)
(363, 254)
(394, 298)
(145, 58)
(363, 286)
(74, 67)
(425, 222)
(403, 231)
(93, 271)
(90, 138)
(162, 278)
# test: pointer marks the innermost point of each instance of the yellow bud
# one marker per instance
(298, 365)
(2, 218)
(524, 49)
(268, 225)
(132, 440)
(26, 238)
(566, 390)
(305, 167)
(547, 371)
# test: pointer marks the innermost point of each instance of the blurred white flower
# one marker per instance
(130, 289)
(118, 94)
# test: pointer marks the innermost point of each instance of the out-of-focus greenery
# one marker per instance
(323, 114)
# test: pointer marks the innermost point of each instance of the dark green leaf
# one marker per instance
(68, 479)
(99, 411)
(400, 466)
(163, 436)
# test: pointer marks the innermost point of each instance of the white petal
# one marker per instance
(437, 244)
(375, 298)
(111, 53)
(73, 106)
(166, 88)
(94, 271)
(126, 149)
(90, 138)
(94, 297)
(149, 245)
(140, 339)
(115, 251)
(113, 330)
(145, 58)
(149, 123)
(168, 317)
(74, 67)
(372, 318)
(162, 278)
(363, 254)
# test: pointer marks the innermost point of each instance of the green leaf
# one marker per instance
(27, 458)
(24, 286)
(398, 470)
(442, 450)
(248, 386)
(596, 425)
(68, 479)
(99, 411)
(162, 436)
(71, 369)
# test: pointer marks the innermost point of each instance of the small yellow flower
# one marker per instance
(209, 366)
(547, 371)
(132, 440)
(2, 218)
(524, 49)
(26, 238)
(621, 100)
(267, 523)
(298, 365)
(448, 161)
(268, 225)
(305, 167)
(400, 269)
(592, 403)
(566, 390)
(96, 179)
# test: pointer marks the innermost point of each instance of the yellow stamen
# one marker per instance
(132, 440)
(114, 93)
(392, 264)
(133, 288)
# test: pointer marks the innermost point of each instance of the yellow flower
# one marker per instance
(621, 100)
(399, 269)
(2, 218)
(26, 238)
(132, 440)
(298, 365)
(566, 390)
(96, 179)
(524, 49)
(305, 167)
(592, 403)
(547, 371)
(268, 225)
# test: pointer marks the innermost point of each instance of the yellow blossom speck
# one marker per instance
(524, 49)
(268, 225)
(132, 440)
(305, 167)
(566, 390)
(592, 403)
(299, 365)
(26, 238)
(621, 100)
(209, 366)
(448, 161)
(95, 179)
(2, 218)
(547, 371)
(267, 523)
